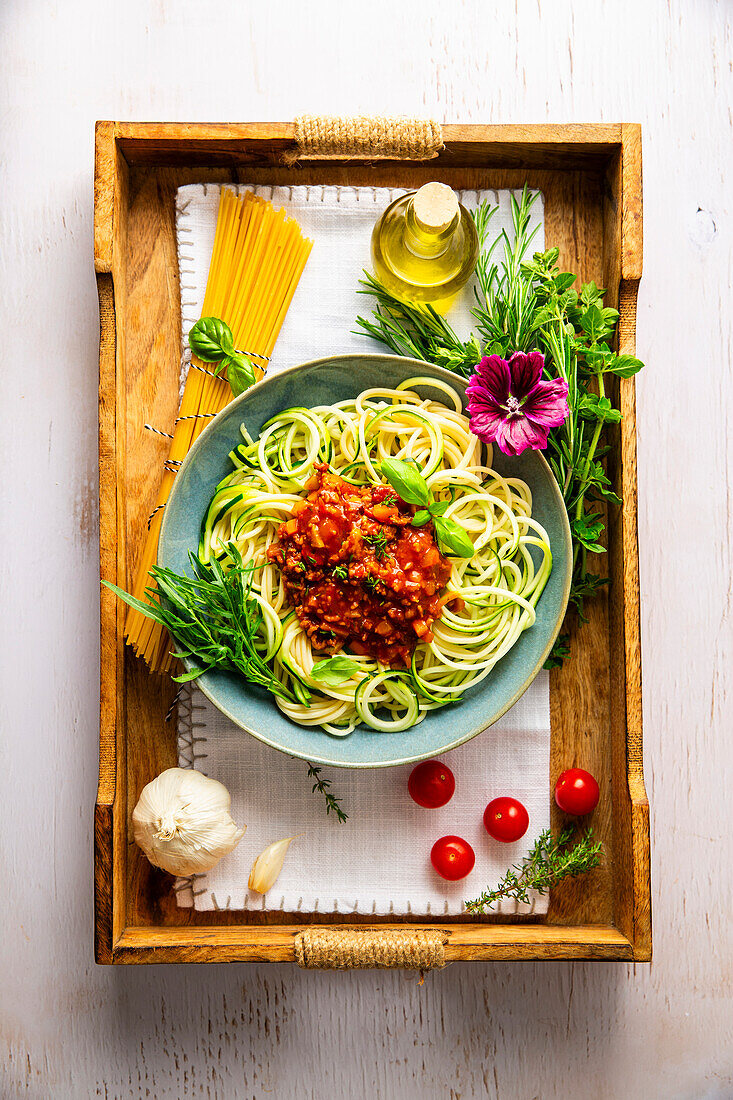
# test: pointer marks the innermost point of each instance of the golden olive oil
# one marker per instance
(425, 246)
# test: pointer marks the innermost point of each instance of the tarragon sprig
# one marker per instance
(549, 862)
(213, 619)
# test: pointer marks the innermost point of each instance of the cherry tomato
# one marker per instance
(431, 784)
(506, 819)
(452, 857)
(576, 792)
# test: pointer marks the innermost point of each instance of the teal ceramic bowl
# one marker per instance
(323, 382)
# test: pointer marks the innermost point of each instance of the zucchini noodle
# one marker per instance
(492, 595)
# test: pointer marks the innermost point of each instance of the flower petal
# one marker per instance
(514, 436)
(485, 416)
(525, 371)
(547, 405)
(492, 374)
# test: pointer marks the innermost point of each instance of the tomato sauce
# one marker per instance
(357, 572)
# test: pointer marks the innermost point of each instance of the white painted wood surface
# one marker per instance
(553, 1030)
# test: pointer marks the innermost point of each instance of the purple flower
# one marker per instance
(509, 404)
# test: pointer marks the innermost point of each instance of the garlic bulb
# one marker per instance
(268, 865)
(182, 822)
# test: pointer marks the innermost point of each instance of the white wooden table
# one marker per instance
(523, 1030)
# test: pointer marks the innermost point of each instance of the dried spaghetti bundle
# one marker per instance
(258, 257)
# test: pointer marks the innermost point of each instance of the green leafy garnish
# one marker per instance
(240, 373)
(524, 302)
(334, 670)
(323, 787)
(407, 480)
(341, 572)
(213, 619)
(453, 536)
(378, 543)
(414, 489)
(212, 341)
(549, 861)
(559, 652)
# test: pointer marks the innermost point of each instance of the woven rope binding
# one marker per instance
(327, 137)
(344, 949)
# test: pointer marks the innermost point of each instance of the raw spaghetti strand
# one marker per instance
(257, 259)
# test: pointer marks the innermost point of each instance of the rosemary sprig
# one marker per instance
(323, 786)
(525, 304)
(416, 331)
(549, 862)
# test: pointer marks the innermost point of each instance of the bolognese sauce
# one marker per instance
(357, 572)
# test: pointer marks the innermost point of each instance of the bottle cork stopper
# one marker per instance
(435, 207)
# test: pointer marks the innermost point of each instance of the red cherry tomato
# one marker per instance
(506, 819)
(431, 784)
(452, 857)
(576, 792)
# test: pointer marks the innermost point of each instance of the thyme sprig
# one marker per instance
(529, 304)
(323, 787)
(378, 543)
(549, 862)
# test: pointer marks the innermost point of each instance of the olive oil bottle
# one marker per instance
(425, 246)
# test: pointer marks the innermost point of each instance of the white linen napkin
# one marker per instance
(378, 861)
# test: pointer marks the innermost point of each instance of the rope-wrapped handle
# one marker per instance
(389, 949)
(332, 137)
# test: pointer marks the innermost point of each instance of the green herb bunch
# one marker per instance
(213, 619)
(526, 304)
(216, 622)
(550, 860)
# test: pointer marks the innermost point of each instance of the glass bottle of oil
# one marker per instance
(425, 245)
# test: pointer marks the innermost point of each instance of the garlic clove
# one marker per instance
(268, 865)
(182, 822)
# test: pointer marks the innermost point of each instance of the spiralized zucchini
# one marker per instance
(499, 586)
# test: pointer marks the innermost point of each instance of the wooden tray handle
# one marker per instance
(344, 949)
(327, 137)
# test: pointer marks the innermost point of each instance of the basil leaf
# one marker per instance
(211, 339)
(452, 538)
(240, 373)
(439, 507)
(334, 670)
(407, 480)
(420, 517)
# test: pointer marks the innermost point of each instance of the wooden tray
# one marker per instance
(591, 179)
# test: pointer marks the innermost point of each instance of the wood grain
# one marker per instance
(577, 221)
(497, 1029)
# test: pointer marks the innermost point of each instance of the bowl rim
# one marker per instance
(320, 757)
